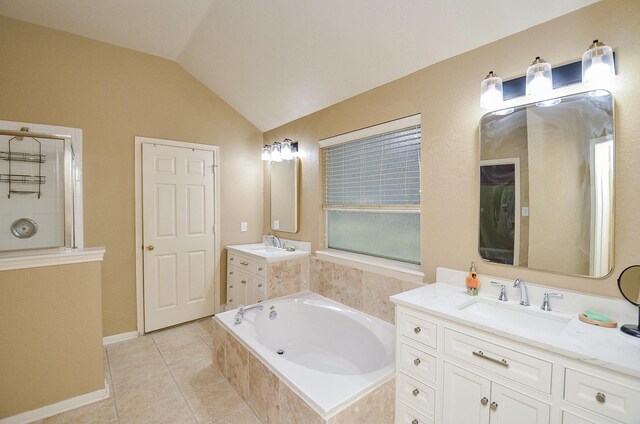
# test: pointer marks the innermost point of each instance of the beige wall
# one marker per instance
(114, 94)
(447, 95)
(51, 335)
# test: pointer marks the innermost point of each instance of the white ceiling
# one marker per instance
(278, 60)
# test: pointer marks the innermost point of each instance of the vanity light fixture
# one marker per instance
(276, 152)
(266, 152)
(491, 91)
(597, 63)
(539, 79)
(280, 150)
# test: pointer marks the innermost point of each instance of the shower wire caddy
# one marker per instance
(12, 178)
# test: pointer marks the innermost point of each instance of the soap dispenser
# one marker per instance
(472, 281)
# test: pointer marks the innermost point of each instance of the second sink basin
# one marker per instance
(514, 316)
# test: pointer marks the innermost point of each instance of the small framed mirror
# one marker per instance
(629, 285)
(547, 185)
(284, 187)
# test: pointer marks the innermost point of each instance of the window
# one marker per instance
(372, 190)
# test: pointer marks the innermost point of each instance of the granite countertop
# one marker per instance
(605, 347)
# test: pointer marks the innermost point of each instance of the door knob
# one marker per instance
(493, 406)
(150, 247)
(484, 401)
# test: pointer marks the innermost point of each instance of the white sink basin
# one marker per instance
(514, 315)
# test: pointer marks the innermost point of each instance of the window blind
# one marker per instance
(380, 172)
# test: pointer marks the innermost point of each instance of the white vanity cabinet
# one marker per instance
(246, 279)
(450, 373)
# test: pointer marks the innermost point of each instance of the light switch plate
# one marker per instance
(243, 226)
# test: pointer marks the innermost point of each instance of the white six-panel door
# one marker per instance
(178, 234)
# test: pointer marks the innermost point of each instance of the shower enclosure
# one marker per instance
(37, 201)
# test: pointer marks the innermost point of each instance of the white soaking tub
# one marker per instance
(330, 354)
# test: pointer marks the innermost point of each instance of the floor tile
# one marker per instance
(155, 390)
(214, 402)
(193, 377)
(173, 412)
(193, 352)
(137, 371)
(95, 413)
(244, 416)
(175, 338)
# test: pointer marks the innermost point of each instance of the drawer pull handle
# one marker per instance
(260, 269)
(416, 362)
(259, 285)
(415, 392)
(230, 272)
(230, 287)
(493, 406)
(481, 354)
(417, 330)
(244, 263)
(415, 421)
(230, 300)
(244, 281)
(600, 397)
(484, 401)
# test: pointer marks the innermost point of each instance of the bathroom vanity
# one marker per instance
(478, 360)
(254, 271)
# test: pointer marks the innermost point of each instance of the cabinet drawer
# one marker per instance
(524, 369)
(419, 364)
(416, 394)
(261, 287)
(601, 396)
(418, 329)
(407, 415)
(582, 418)
(244, 264)
(260, 268)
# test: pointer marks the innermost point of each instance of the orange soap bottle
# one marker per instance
(472, 281)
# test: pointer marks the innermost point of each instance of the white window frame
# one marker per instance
(393, 268)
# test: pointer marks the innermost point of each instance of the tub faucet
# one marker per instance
(237, 319)
(524, 297)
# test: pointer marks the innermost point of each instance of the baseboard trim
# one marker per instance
(58, 408)
(118, 338)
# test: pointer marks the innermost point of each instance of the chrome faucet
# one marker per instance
(275, 241)
(237, 319)
(545, 303)
(503, 291)
(524, 297)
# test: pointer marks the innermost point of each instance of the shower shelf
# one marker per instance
(26, 179)
(23, 157)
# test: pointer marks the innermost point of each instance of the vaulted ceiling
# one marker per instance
(278, 60)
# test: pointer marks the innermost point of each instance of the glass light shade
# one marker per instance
(276, 154)
(597, 63)
(491, 92)
(285, 150)
(266, 152)
(539, 79)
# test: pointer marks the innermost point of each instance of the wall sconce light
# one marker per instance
(491, 91)
(280, 150)
(539, 78)
(597, 63)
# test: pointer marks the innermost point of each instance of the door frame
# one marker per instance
(138, 221)
(516, 210)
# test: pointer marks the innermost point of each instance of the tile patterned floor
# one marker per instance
(164, 377)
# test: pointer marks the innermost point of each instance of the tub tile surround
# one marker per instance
(274, 402)
(286, 277)
(366, 291)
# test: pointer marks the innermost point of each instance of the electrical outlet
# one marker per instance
(276, 224)
(525, 211)
(243, 226)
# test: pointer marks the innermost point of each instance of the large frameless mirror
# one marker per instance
(547, 185)
(284, 195)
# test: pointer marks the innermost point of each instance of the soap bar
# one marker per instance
(597, 316)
